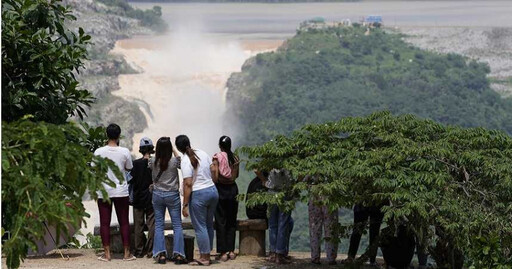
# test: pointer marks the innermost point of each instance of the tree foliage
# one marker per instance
(322, 75)
(47, 162)
(46, 170)
(445, 183)
(39, 58)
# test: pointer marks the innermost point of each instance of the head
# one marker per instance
(146, 146)
(225, 146)
(113, 132)
(163, 153)
(183, 144)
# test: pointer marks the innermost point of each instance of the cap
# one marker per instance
(145, 141)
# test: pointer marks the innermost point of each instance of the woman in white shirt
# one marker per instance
(200, 195)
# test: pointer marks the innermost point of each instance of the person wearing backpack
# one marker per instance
(166, 195)
(224, 170)
(141, 200)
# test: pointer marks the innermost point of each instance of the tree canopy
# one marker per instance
(39, 59)
(446, 183)
(47, 162)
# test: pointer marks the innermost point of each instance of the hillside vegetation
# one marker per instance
(323, 75)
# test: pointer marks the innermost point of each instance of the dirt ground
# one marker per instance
(87, 258)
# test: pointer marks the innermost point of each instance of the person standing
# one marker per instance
(361, 216)
(224, 173)
(142, 202)
(166, 195)
(280, 222)
(320, 217)
(200, 194)
(117, 194)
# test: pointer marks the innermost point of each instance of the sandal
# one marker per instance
(232, 256)
(161, 258)
(224, 257)
(178, 259)
(132, 258)
(103, 258)
(199, 263)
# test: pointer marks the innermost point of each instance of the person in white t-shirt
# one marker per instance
(118, 194)
(199, 194)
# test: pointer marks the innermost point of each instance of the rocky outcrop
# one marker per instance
(101, 70)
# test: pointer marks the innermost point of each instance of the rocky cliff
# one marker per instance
(101, 70)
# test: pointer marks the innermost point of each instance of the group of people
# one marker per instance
(152, 187)
(209, 194)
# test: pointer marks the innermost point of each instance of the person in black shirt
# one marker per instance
(259, 211)
(143, 213)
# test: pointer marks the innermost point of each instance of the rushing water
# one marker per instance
(182, 86)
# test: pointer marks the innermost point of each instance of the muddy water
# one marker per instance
(182, 85)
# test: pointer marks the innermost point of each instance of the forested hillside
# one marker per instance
(323, 75)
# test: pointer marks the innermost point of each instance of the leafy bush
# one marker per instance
(46, 170)
(451, 185)
(47, 162)
(39, 56)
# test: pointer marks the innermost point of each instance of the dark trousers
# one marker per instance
(141, 218)
(122, 205)
(361, 216)
(225, 224)
(421, 251)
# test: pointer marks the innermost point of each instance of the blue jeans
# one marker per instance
(169, 200)
(280, 225)
(202, 209)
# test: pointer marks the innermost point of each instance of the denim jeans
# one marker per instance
(202, 209)
(169, 200)
(280, 225)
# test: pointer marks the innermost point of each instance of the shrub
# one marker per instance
(453, 185)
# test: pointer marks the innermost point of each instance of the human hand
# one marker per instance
(184, 211)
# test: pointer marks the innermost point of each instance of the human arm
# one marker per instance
(236, 168)
(214, 169)
(187, 190)
(128, 165)
(175, 152)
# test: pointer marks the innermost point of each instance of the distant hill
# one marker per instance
(325, 74)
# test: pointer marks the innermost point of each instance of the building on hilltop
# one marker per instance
(372, 20)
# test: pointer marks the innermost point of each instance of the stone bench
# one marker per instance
(252, 236)
(251, 239)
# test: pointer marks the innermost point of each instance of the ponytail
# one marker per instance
(183, 144)
(194, 159)
(225, 145)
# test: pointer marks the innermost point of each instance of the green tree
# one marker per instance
(47, 162)
(449, 184)
(39, 58)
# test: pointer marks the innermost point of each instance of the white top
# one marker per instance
(122, 157)
(203, 178)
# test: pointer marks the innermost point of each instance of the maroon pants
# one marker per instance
(122, 205)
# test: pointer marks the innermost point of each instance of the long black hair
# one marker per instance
(183, 144)
(225, 145)
(163, 153)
